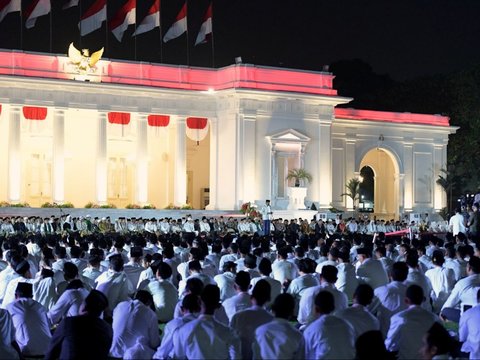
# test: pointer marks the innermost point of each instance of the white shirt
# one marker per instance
(133, 271)
(6, 276)
(442, 280)
(275, 287)
(165, 297)
(469, 332)
(237, 303)
(389, 300)
(283, 269)
(407, 329)
(464, 293)
(371, 272)
(115, 286)
(67, 305)
(32, 327)
(347, 281)
(44, 292)
(278, 339)
(416, 277)
(166, 348)
(133, 320)
(11, 288)
(457, 224)
(459, 267)
(7, 336)
(329, 337)
(226, 284)
(306, 311)
(203, 277)
(205, 338)
(359, 318)
(245, 322)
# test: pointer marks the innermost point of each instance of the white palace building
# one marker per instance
(139, 133)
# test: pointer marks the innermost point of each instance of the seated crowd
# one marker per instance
(90, 288)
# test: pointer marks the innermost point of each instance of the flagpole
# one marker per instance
(186, 15)
(160, 29)
(135, 31)
(51, 35)
(80, 21)
(21, 27)
(213, 46)
(106, 28)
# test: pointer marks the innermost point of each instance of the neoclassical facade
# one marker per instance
(135, 133)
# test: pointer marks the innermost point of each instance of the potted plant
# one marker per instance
(299, 175)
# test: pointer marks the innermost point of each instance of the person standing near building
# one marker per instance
(474, 223)
(266, 212)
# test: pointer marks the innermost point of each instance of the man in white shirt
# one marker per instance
(390, 298)
(266, 212)
(134, 267)
(194, 270)
(241, 300)
(416, 277)
(469, 330)
(190, 310)
(408, 327)
(347, 280)
(457, 223)
(282, 269)
(306, 280)
(22, 272)
(114, 284)
(69, 302)
(278, 339)
(464, 293)
(32, 327)
(226, 280)
(370, 271)
(133, 320)
(165, 295)
(8, 345)
(329, 336)
(204, 337)
(245, 322)
(358, 315)
(306, 311)
(265, 269)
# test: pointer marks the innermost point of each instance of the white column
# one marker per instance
(273, 173)
(325, 163)
(141, 193)
(439, 162)
(408, 180)
(14, 156)
(180, 175)
(101, 168)
(212, 205)
(59, 155)
(247, 143)
(350, 171)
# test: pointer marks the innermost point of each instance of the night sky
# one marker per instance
(404, 39)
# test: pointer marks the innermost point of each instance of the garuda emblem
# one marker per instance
(83, 62)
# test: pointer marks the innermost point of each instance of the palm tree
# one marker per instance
(299, 175)
(353, 191)
(447, 182)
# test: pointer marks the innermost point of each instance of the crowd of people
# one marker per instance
(238, 288)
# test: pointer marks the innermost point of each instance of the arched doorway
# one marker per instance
(367, 190)
(386, 187)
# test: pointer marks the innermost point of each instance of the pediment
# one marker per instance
(289, 136)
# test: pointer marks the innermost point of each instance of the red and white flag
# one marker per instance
(93, 17)
(9, 6)
(206, 29)
(123, 19)
(70, 3)
(151, 21)
(36, 9)
(179, 26)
